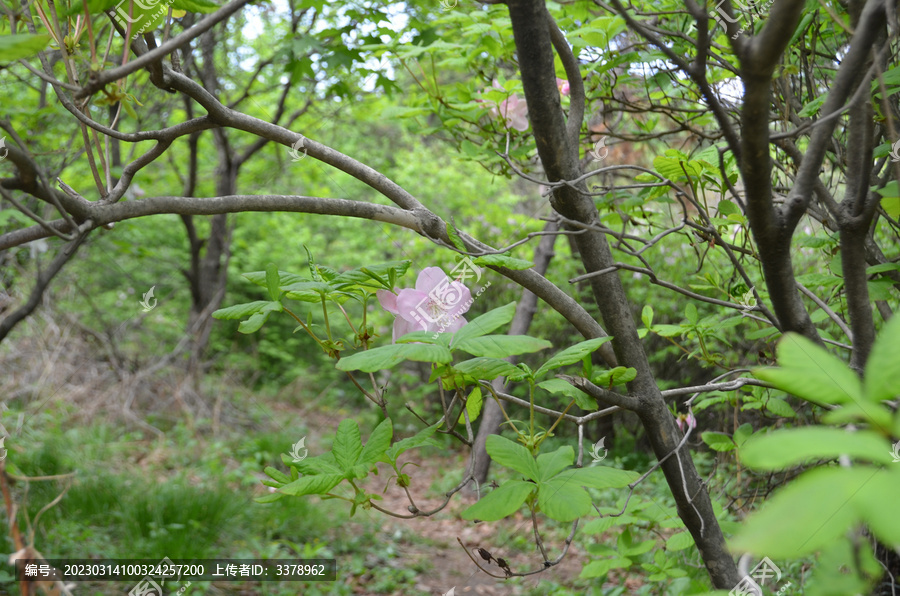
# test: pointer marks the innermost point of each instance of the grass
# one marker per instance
(186, 495)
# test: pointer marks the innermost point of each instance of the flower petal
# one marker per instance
(430, 278)
(387, 300)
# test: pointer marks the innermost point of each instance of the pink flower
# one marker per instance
(437, 304)
(683, 420)
(562, 85)
(513, 110)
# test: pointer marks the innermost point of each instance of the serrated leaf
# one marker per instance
(311, 485)
(347, 445)
(571, 355)
(500, 502)
(378, 443)
(488, 369)
(270, 498)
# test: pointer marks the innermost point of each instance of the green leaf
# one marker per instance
(195, 5)
(551, 464)
(489, 369)
(504, 261)
(259, 278)
(242, 311)
(372, 276)
(311, 485)
(690, 312)
(347, 445)
(423, 437)
(486, 323)
(455, 238)
(378, 443)
(882, 378)
(501, 346)
(15, 47)
(718, 441)
(616, 376)
(253, 324)
(647, 316)
(779, 407)
(500, 502)
(602, 567)
(679, 541)
(270, 498)
(389, 356)
(782, 449)
(560, 387)
(307, 291)
(473, 406)
(562, 500)
(742, 434)
(272, 281)
(812, 373)
(571, 355)
(277, 475)
(818, 508)
(512, 455)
